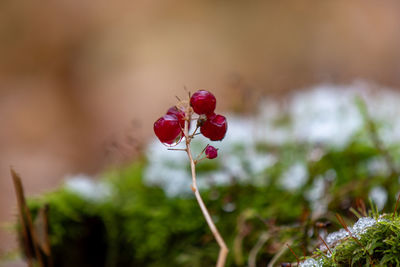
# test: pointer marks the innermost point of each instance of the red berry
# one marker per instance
(180, 114)
(214, 127)
(167, 129)
(211, 152)
(203, 102)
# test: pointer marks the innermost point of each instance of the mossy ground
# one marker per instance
(138, 224)
(379, 245)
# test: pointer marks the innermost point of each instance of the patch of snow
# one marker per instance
(173, 181)
(315, 196)
(379, 196)
(326, 114)
(295, 177)
(86, 187)
(310, 263)
(357, 230)
(362, 225)
(378, 166)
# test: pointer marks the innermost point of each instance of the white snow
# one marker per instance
(88, 188)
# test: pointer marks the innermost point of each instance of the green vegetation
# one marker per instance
(137, 224)
(379, 245)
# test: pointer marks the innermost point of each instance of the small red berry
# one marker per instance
(180, 114)
(167, 129)
(214, 127)
(203, 102)
(211, 152)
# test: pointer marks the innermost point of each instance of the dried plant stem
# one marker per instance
(21, 213)
(254, 251)
(326, 245)
(395, 208)
(26, 221)
(279, 254)
(344, 225)
(294, 254)
(223, 252)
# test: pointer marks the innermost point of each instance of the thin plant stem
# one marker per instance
(343, 223)
(379, 145)
(254, 251)
(177, 149)
(395, 208)
(294, 254)
(326, 245)
(279, 254)
(223, 252)
(195, 131)
(201, 153)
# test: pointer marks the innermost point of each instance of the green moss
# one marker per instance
(138, 225)
(379, 245)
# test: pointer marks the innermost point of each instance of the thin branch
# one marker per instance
(194, 132)
(223, 248)
(177, 149)
(201, 153)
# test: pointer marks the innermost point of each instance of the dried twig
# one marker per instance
(20, 200)
(42, 231)
(26, 221)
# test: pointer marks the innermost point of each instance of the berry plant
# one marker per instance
(175, 125)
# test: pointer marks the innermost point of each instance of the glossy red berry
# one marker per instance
(167, 129)
(180, 114)
(211, 152)
(214, 127)
(203, 102)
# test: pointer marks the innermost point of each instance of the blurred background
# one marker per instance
(82, 83)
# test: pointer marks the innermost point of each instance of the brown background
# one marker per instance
(81, 82)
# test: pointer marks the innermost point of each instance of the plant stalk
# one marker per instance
(223, 252)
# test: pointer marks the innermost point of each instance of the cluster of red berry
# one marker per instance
(212, 126)
(170, 128)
